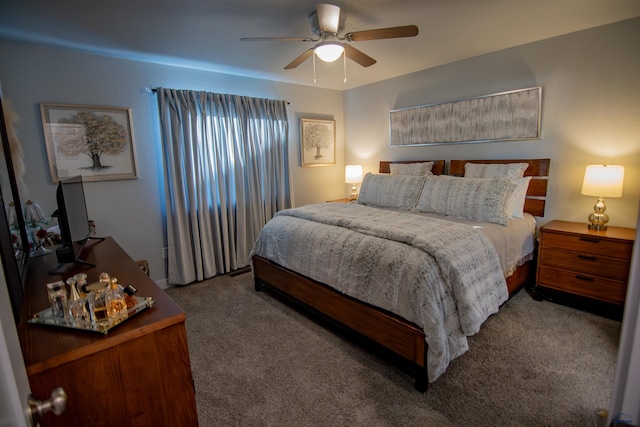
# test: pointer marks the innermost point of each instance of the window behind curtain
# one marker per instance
(226, 173)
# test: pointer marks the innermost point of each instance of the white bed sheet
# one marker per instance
(514, 243)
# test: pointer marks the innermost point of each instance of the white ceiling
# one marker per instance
(205, 34)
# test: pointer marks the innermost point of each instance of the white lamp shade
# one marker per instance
(328, 17)
(10, 210)
(603, 181)
(33, 212)
(328, 52)
(353, 174)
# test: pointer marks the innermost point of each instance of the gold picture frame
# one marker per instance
(317, 142)
(94, 142)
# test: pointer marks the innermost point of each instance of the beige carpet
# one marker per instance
(256, 362)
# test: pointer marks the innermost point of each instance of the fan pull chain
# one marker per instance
(314, 69)
(344, 58)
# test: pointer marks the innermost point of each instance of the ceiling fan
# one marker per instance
(327, 22)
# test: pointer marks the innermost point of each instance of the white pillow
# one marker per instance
(495, 170)
(414, 169)
(478, 199)
(391, 191)
(515, 205)
(515, 171)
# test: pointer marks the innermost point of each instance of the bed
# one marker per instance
(419, 332)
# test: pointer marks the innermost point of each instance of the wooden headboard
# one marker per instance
(437, 169)
(539, 171)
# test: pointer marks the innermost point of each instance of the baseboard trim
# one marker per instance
(163, 284)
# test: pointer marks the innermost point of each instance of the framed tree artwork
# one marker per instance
(94, 142)
(318, 142)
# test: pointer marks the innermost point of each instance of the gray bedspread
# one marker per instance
(441, 275)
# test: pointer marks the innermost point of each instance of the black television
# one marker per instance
(73, 222)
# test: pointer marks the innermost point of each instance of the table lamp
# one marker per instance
(353, 176)
(602, 181)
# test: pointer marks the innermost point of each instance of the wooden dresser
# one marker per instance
(138, 374)
(592, 265)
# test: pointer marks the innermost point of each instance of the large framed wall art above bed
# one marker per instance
(505, 116)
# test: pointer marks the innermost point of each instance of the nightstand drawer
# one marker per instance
(583, 284)
(611, 268)
(588, 244)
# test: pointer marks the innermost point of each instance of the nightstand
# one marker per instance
(345, 200)
(590, 268)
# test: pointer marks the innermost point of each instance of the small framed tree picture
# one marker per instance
(318, 142)
(95, 142)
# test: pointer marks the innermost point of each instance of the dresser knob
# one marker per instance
(57, 403)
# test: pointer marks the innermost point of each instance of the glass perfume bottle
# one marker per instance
(116, 303)
(97, 297)
(77, 304)
(58, 300)
(81, 282)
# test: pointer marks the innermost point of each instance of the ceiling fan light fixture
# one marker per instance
(327, 23)
(328, 17)
(328, 52)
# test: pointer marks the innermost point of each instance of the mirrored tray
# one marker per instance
(45, 317)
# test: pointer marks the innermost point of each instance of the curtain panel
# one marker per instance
(226, 174)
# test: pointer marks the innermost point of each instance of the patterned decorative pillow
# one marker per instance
(478, 199)
(413, 169)
(515, 171)
(391, 191)
(515, 205)
(496, 170)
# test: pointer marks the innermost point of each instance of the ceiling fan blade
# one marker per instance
(328, 17)
(358, 56)
(383, 33)
(286, 39)
(300, 59)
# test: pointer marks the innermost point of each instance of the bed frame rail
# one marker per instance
(404, 339)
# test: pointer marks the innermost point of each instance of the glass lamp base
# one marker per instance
(598, 219)
(354, 193)
(39, 251)
(597, 227)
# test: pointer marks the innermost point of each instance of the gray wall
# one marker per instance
(590, 113)
(591, 105)
(132, 211)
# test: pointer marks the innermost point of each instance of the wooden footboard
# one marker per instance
(403, 338)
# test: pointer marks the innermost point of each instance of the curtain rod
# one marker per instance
(154, 90)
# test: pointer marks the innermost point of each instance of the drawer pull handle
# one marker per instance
(585, 278)
(588, 258)
(590, 240)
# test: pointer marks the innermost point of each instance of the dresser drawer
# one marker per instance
(587, 245)
(610, 268)
(583, 284)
